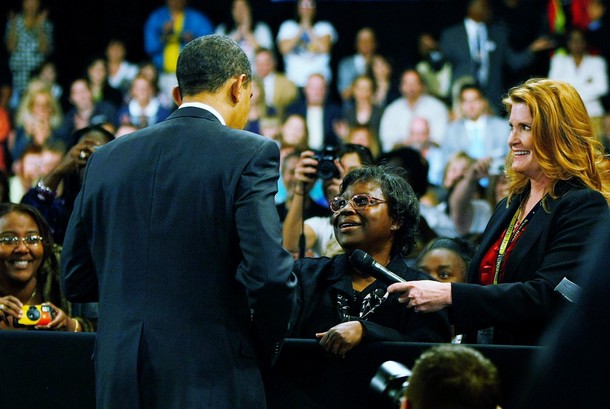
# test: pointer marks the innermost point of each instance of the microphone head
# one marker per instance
(360, 259)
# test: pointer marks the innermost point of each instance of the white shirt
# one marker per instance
(323, 229)
(396, 120)
(207, 108)
(315, 127)
(300, 63)
(590, 79)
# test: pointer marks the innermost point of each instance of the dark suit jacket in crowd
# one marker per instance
(332, 113)
(549, 249)
(175, 231)
(454, 45)
(320, 279)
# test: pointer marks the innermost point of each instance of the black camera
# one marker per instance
(326, 163)
(390, 383)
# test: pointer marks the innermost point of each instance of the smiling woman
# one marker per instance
(558, 191)
(29, 274)
(377, 212)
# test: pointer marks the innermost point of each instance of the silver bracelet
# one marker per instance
(44, 192)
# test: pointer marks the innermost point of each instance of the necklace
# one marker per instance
(31, 297)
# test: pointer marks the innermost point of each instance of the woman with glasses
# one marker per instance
(29, 275)
(376, 211)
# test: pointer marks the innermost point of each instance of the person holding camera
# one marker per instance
(30, 293)
(317, 233)
(54, 194)
(339, 301)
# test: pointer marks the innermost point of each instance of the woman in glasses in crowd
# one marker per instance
(29, 274)
(557, 193)
(377, 212)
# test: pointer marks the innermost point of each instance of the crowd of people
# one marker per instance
(480, 195)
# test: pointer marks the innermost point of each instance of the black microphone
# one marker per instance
(365, 263)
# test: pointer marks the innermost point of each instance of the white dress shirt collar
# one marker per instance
(206, 107)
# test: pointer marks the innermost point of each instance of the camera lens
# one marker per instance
(327, 170)
(33, 314)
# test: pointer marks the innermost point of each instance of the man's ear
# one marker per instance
(177, 95)
(236, 88)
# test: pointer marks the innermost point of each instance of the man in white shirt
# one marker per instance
(397, 116)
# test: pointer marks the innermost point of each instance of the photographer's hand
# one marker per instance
(10, 306)
(341, 338)
(60, 322)
(305, 172)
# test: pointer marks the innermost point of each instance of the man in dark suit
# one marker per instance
(176, 234)
(478, 49)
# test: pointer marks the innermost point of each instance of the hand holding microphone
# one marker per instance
(421, 295)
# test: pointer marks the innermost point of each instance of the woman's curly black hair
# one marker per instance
(401, 200)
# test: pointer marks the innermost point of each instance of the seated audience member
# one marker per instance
(476, 131)
(97, 74)
(586, 72)
(120, 71)
(321, 114)
(47, 73)
(279, 90)
(310, 207)
(363, 135)
(85, 111)
(415, 102)
(433, 68)
(316, 233)
(447, 260)
(419, 139)
(386, 87)
(34, 163)
(469, 209)
(249, 33)
(149, 70)
(37, 120)
(144, 108)
(293, 135)
(54, 194)
(452, 376)
(355, 65)
(376, 211)
(6, 129)
(29, 272)
(360, 109)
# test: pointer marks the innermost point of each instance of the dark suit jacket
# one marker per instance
(454, 45)
(320, 279)
(332, 113)
(573, 371)
(176, 233)
(548, 250)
